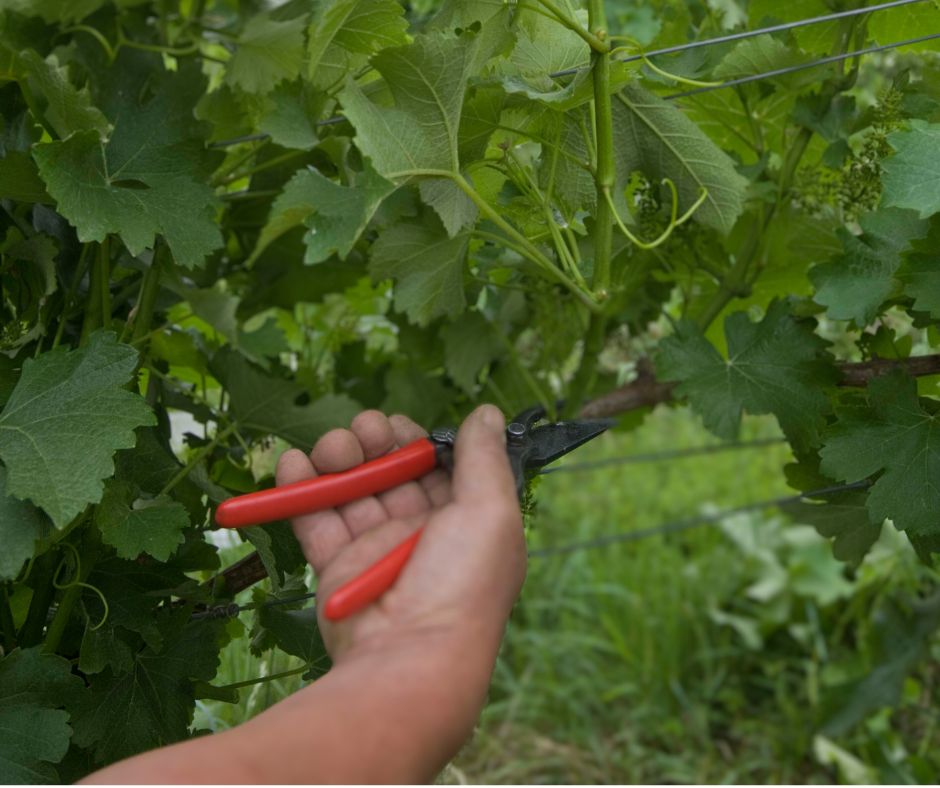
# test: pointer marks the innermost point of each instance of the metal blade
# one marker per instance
(551, 441)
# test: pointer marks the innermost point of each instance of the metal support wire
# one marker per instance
(688, 523)
(740, 36)
(801, 66)
(710, 42)
(231, 610)
(662, 456)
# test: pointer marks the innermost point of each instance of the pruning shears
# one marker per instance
(531, 443)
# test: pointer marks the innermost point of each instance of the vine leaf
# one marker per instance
(912, 175)
(67, 109)
(66, 417)
(774, 366)
(856, 284)
(269, 405)
(427, 265)
(344, 33)
(143, 198)
(469, 344)
(133, 525)
(150, 705)
(336, 215)
(34, 729)
(269, 52)
(921, 278)
(654, 137)
(897, 436)
(427, 79)
(841, 517)
(455, 209)
(21, 524)
(147, 178)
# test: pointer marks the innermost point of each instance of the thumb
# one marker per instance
(482, 475)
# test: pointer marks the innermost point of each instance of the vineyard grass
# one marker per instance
(640, 662)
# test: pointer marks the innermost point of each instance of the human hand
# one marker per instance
(458, 588)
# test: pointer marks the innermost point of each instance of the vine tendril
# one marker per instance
(674, 221)
(76, 583)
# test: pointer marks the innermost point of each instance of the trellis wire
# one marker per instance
(605, 540)
(813, 20)
(687, 523)
(675, 454)
(706, 42)
(801, 67)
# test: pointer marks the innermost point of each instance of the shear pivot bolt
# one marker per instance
(515, 432)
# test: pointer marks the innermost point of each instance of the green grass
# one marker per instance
(704, 656)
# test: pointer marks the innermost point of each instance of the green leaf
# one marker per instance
(908, 21)
(19, 179)
(427, 266)
(841, 517)
(654, 137)
(295, 632)
(912, 175)
(21, 524)
(66, 417)
(268, 52)
(151, 705)
(895, 436)
(756, 56)
(67, 109)
(774, 366)
(269, 406)
(427, 80)
(135, 202)
(146, 180)
(469, 344)
(135, 590)
(344, 32)
(278, 549)
(34, 730)
(135, 526)
(855, 285)
(336, 215)
(921, 278)
(456, 210)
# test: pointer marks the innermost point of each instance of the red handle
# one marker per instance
(372, 583)
(410, 462)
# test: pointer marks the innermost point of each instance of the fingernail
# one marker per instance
(493, 418)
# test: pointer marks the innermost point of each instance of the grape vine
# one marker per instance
(225, 228)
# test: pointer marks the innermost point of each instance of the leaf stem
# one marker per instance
(149, 288)
(265, 165)
(104, 282)
(7, 625)
(597, 40)
(93, 309)
(198, 457)
(532, 252)
(80, 270)
(264, 679)
(30, 633)
(219, 178)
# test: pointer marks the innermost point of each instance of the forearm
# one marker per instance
(374, 718)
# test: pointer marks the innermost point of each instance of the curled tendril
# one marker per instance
(674, 220)
(76, 583)
(697, 83)
(28, 572)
